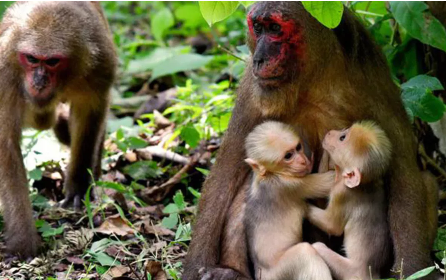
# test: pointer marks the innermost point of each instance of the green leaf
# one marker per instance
(179, 63)
(440, 241)
(203, 171)
(112, 185)
(329, 13)
(179, 200)
(119, 134)
(419, 22)
(104, 259)
(215, 11)
(171, 208)
(423, 81)
(156, 57)
(194, 192)
(113, 125)
(190, 135)
(246, 4)
(142, 170)
(221, 123)
(419, 100)
(161, 22)
(421, 273)
(35, 174)
(100, 269)
(136, 143)
(190, 15)
(170, 222)
(47, 230)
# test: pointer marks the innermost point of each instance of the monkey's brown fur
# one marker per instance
(357, 206)
(343, 77)
(79, 34)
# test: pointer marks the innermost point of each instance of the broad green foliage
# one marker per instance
(179, 63)
(161, 22)
(329, 13)
(215, 11)
(420, 274)
(419, 22)
(419, 100)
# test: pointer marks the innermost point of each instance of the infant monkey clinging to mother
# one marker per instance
(276, 205)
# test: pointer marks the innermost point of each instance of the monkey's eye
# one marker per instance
(342, 138)
(257, 27)
(299, 147)
(52, 62)
(31, 59)
(288, 155)
(274, 27)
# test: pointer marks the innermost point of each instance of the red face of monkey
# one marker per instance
(42, 75)
(278, 45)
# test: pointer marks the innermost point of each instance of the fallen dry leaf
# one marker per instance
(147, 228)
(75, 260)
(115, 225)
(118, 271)
(156, 271)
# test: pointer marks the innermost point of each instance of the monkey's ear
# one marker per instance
(352, 177)
(256, 166)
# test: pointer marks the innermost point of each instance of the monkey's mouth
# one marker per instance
(269, 81)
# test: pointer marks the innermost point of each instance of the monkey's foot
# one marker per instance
(219, 273)
(10, 258)
(24, 246)
(74, 199)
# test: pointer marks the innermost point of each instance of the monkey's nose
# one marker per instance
(258, 62)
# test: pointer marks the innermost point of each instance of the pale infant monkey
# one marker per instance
(276, 205)
(357, 206)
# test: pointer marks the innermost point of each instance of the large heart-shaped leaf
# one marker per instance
(329, 13)
(419, 100)
(419, 22)
(215, 11)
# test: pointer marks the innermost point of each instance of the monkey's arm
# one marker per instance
(20, 232)
(330, 220)
(226, 179)
(317, 185)
(87, 130)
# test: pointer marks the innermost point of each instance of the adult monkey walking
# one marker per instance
(303, 73)
(51, 52)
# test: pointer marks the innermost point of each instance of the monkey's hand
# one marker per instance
(220, 273)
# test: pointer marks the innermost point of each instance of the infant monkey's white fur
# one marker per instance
(357, 206)
(276, 204)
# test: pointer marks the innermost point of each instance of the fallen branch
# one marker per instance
(148, 152)
(158, 193)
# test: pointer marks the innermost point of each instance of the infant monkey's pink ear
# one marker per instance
(257, 167)
(352, 177)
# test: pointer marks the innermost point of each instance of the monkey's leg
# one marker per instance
(431, 191)
(407, 219)
(20, 232)
(341, 267)
(62, 129)
(234, 252)
(86, 128)
(301, 261)
(325, 219)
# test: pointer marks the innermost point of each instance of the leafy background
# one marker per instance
(180, 63)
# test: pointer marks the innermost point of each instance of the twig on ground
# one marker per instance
(430, 161)
(157, 151)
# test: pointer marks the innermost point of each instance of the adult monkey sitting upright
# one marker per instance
(303, 73)
(51, 52)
